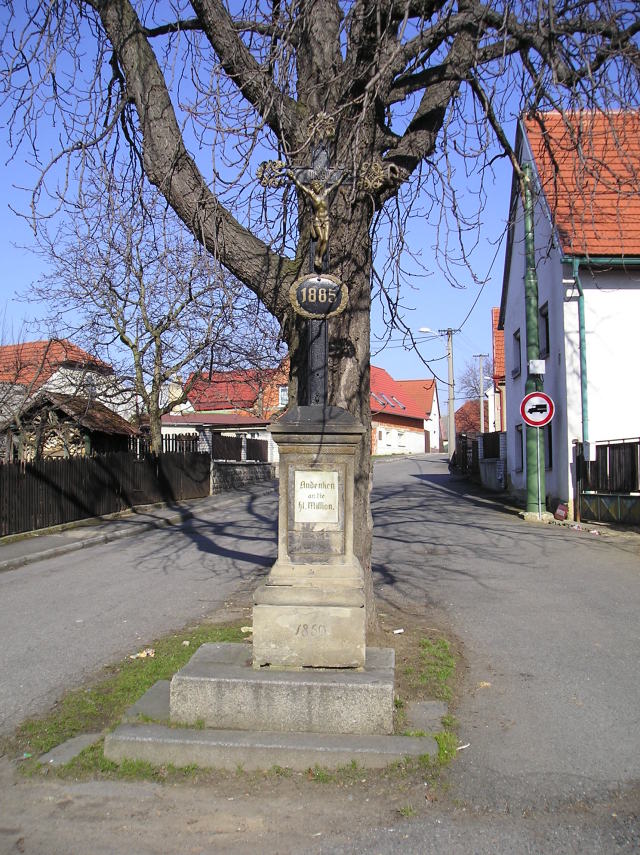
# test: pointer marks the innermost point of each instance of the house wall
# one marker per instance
(396, 435)
(612, 306)
(432, 425)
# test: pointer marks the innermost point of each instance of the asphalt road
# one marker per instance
(64, 618)
(548, 618)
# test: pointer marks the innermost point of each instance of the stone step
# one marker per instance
(220, 688)
(251, 751)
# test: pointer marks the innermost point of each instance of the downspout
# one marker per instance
(534, 447)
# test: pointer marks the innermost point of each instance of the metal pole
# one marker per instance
(535, 467)
(452, 413)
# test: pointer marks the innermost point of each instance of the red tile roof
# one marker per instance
(498, 347)
(235, 390)
(589, 163)
(388, 396)
(422, 392)
(33, 362)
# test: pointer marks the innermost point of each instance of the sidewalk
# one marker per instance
(21, 549)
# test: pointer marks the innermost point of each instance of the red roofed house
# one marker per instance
(255, 392)
(587, 255)
(497, 409)
(399, 415)
(232, 403)
(425, 393)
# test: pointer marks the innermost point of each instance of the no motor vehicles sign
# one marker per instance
(537, 409)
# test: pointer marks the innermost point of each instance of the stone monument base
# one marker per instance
(296, 625)
(220, 688)
(223, 713)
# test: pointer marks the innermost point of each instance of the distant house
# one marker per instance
(468, 417)
(53, 425)
(586, 246)
(397, 420)
(256, 392)
(55, 365)
(425, 394)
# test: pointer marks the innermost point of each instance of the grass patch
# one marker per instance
(101, 705)
(447, 746)
(407, 811)
(435, 669)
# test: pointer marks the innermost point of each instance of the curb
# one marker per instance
(109, 536)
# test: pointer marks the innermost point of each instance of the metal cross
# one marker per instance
(316, 182)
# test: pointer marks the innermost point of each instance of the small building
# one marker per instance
(55, 425)
(425, 394)
(397, 420)
(209, 425)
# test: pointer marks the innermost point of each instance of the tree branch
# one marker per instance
(169, 166)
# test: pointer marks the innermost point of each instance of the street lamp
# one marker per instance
(451, 429)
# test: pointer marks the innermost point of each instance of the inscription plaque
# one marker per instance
(315, 496)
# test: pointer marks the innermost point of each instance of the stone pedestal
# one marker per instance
(310, 612)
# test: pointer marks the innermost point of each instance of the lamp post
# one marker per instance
(451, 429)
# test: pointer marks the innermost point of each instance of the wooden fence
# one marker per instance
(51, 492)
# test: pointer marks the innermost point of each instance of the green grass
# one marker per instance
(101, 705)
(407, 811)
(434, 670)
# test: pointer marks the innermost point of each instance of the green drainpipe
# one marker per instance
(534, 436)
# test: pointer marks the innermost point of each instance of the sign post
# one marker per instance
(537, 409)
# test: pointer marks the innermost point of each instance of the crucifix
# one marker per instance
(316, 182)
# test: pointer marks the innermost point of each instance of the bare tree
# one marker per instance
(418, 96)
(469, 384)
(128, 282)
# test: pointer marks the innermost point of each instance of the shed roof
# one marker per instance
(89, 414)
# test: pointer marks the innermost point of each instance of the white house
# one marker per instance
(586, 241)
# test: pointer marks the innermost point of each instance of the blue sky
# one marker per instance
(434, 303)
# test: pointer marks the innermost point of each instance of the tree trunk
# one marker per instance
(349, 354)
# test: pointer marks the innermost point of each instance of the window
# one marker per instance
(283, 396)
(516, 355)
(519, 450)
(400, 439)
(548, 447)
(543, 330)
(380, 434)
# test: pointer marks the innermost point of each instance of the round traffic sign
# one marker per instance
(537, 409)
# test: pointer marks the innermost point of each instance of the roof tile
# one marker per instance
(588, 164)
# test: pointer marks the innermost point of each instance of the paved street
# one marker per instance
(64, 618)
(548, 620)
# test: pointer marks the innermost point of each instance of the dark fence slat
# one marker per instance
(46, 493)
